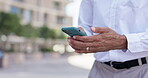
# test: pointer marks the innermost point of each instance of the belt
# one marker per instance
(127, 64)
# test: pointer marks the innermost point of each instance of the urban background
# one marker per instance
(32, 44)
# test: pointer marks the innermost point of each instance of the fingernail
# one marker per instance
(93, 28)
(68, 37)
(74, 37)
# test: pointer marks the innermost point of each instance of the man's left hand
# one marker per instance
(107, 39)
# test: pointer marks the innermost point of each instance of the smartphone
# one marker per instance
(72, 31)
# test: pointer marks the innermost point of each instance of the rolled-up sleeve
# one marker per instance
(86, 16)
(138, 42)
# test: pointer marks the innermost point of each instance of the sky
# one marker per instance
(73, 10)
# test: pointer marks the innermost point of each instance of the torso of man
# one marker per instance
(126, 17)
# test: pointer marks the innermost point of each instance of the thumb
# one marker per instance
(81, 29)
(100, 29)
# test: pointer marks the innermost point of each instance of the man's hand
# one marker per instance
(106, 40)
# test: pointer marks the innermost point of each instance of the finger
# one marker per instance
(68, 39)
(93, 50)
(83, 51)
(77, 44)
(87, 38)
(81, 29)
(98, 49)
(75, 48)
(83, 45)
(100, 29)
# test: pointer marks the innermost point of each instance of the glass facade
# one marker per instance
(57, 5)
(45, 19)
(18, 0)
(39, 12)
(61, 20)
(27, 16)
(16, 10)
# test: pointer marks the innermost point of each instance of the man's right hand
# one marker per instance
(106, 40)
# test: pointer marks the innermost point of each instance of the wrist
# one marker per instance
(123, 40)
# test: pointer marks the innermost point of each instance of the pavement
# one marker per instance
(61, 67)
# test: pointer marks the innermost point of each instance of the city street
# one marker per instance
(46, 68)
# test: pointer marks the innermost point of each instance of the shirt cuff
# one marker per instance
(134, 42)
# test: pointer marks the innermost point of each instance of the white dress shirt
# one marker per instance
(126, 17)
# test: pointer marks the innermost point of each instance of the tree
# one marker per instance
(62, 36)
(9, 23)
(28, 31)
(59, 34)
(46, 33)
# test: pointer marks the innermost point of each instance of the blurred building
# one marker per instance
(39, 12)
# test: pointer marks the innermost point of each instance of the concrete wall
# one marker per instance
(38, 11)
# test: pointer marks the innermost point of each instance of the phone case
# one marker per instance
(71, 31)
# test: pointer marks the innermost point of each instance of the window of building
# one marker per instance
(61, 20)
(45, 19)
(18, 0)
(57, 5)
(16, 10)
(27, 16)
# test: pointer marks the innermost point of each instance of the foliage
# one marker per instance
(60, 35)
(28, 31)
(46, 49)
(45, 32)
(9, 50)
(9, 23)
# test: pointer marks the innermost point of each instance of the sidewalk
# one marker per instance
(47, 68)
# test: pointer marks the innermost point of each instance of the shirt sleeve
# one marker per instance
(138, 42)
(86, 16)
